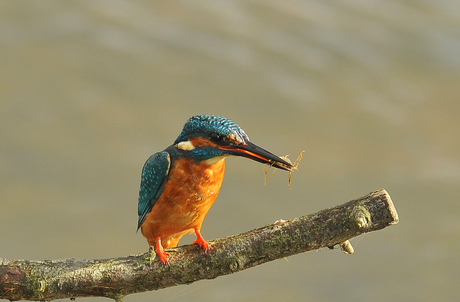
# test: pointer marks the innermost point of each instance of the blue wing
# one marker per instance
(153, 178)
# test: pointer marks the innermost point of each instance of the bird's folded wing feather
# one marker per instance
(153, 178)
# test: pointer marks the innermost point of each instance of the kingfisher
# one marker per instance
(180, 184)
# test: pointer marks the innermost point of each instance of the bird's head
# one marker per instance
(208, 137)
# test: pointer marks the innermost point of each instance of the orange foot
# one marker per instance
(161, 252)
(200, 241)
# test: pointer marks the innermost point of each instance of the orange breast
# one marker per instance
(189, 192)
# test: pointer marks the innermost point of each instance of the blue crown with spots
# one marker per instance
(205, 125)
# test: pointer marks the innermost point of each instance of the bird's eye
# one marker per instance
(216, 137)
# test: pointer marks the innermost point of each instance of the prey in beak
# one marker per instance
(254, 152)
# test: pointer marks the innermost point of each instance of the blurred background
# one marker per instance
(369, 89)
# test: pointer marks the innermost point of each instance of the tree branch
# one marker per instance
(118, 277)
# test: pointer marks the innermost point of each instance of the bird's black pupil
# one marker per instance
(216, 137)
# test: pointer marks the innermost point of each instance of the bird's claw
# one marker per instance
(164, 259)
(162, 255)
(201, 242)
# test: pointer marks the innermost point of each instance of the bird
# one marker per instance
(180, 184)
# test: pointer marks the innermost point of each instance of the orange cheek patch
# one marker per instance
(199, 142)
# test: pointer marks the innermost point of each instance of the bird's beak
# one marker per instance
(254, 152)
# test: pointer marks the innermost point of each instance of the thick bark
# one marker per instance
(118, 277)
